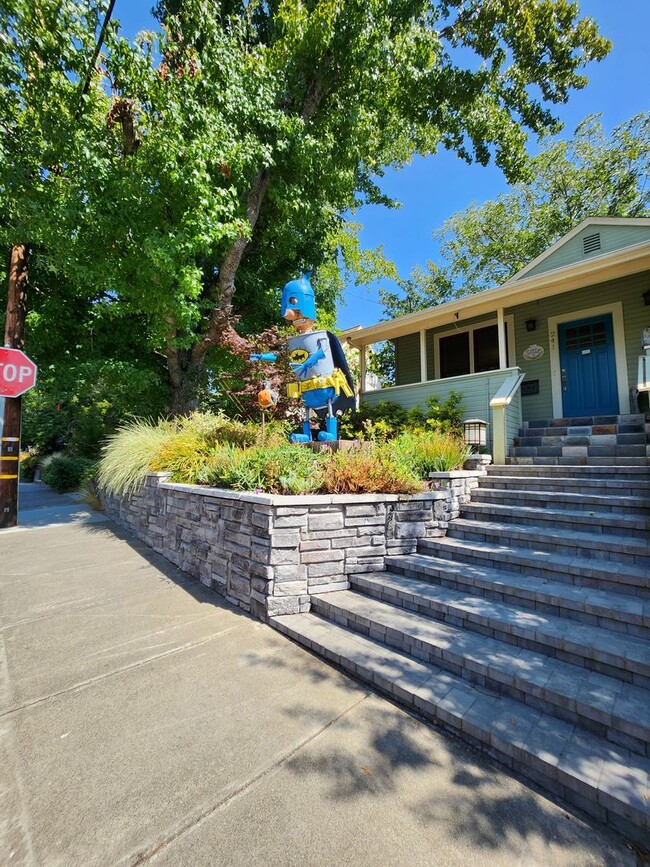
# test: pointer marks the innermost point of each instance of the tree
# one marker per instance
(235, 139)
(591, 175)
(96, 368)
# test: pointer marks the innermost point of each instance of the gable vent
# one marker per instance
(591, 243)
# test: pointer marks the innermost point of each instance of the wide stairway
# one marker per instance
(526, 630)
(613, 440)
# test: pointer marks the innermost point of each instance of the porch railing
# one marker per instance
(506, 415)
(643, 377)
(478, 390)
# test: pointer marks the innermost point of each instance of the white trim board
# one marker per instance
(616, 310)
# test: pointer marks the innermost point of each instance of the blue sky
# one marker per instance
(432, 189)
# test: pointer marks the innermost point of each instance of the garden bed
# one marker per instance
(266, 553)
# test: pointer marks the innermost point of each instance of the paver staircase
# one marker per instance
(526, 629)
(613, 440)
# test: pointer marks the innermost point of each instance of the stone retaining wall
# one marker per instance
(266, 554)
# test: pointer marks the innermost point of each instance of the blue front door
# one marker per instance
(588, 367)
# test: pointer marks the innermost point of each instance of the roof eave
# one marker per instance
(598, 269)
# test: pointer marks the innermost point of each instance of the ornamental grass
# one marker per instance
(210, 449)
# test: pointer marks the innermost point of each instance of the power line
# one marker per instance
(98, 48)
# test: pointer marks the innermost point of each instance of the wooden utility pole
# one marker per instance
(10, 429)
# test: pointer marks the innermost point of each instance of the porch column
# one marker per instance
(501, 329)
(423, 356)
(362, 370)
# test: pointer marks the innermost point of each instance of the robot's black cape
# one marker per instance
(340, 361)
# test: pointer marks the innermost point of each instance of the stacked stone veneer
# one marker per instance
(267, 554)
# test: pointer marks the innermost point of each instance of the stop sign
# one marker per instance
(17, 372)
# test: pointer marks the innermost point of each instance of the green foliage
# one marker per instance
(425, 452)
(28, 467)
(67, 472)
(382, 421)
(234, 140)
(446, 415)
(591, 175)
(388, 419)
(183, 446)
(128, 455)
(280, 469)
(79, 404)
(208, 449)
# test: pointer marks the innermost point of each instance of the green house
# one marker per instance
(567, 337)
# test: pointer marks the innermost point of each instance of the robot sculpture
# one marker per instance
(323, 379)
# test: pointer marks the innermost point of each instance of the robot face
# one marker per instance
(298, 296)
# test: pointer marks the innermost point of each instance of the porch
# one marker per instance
(492, 395)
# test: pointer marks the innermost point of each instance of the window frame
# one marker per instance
(511, 361)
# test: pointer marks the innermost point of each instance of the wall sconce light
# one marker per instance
(646, 298)
(475, 433)
(531, 324)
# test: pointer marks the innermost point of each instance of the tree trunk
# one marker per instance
(186, 374)
(10, 428)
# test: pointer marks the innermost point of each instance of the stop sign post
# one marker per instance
(17, 372)
(17, 375)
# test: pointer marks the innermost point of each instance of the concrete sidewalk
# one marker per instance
(143, 720)
(40, 506)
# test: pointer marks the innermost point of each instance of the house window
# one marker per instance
(454, 355)
(486, 348)
(474, 349)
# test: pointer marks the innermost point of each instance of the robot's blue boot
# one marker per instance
(332, 430)
(305, 436)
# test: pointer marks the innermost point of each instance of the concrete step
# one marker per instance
(600, 486)
(608, 781)
(609, 441)
(594, 431)
(583, 572)
(616, 550)
(572, 461)
(585, 450)
(590, 421)
(470, 619)
(616, 611)
(522, 672)
(589, 501)
(634, 526)
(575, 471)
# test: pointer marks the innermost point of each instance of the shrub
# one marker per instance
(383, 421)
(427, 452)
(374, 470)
(445, 415)
(388, 420)
(28, 467)
(279, 469)
(67, 472)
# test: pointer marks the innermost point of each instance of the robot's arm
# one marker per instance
(312, 361)
(263, 356)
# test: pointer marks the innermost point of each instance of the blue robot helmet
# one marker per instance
(299, 295)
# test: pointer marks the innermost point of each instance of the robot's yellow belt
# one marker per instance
(336, 381)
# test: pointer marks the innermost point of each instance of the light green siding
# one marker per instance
(611, 238)
(407, 359)
(477, 390)
(513, 418)
(628, 290)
